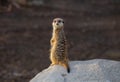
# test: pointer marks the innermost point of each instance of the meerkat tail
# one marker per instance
(67, 67)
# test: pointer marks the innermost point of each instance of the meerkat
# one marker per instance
(58, 52)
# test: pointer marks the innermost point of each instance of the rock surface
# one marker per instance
(97, 70)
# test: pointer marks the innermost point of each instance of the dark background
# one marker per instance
(92, 28)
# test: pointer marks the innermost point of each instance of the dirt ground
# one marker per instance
(25, 36)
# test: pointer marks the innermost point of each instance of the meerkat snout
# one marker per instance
(58, 23)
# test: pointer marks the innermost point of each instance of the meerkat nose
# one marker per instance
(57, 23)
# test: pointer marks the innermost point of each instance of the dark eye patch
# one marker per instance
(54, 21)
(59, 21)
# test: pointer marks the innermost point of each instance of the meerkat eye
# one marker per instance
(54, 21)
(63, 21)
(59, 21)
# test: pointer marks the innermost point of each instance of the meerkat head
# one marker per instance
(58, 23)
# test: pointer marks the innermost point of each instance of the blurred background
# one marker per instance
(92, 28)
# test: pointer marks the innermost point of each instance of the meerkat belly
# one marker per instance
(58, 51)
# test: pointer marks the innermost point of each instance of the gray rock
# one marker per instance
(97, 70)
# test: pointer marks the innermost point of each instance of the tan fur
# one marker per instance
(58, 54)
